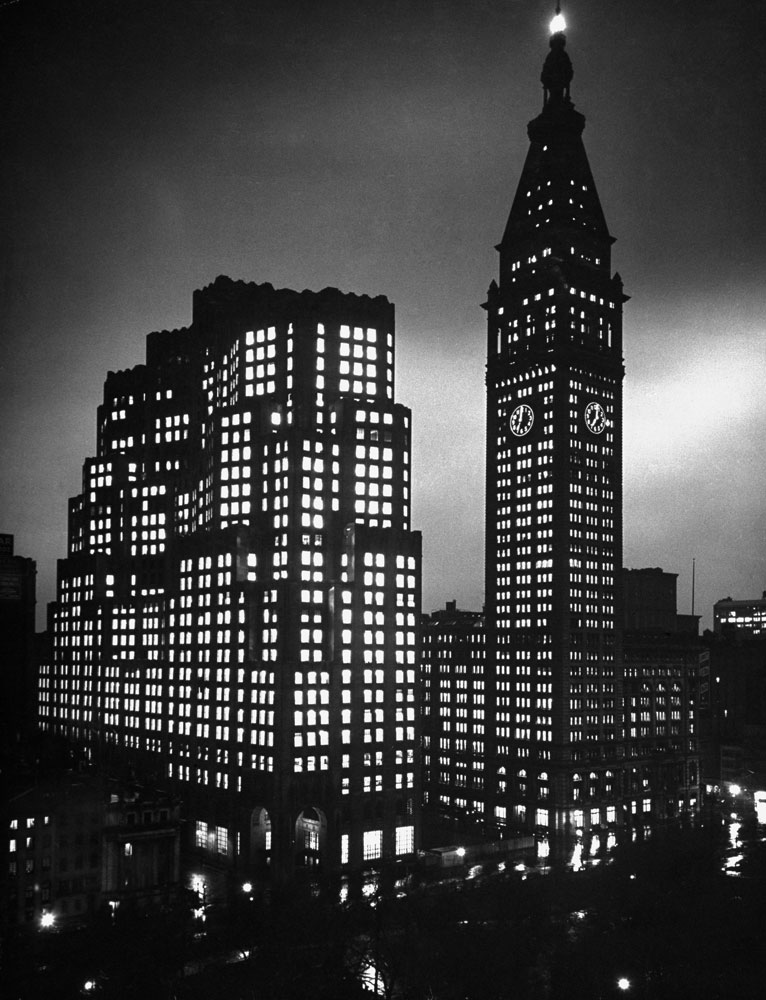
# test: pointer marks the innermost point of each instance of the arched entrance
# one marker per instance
(310, 837)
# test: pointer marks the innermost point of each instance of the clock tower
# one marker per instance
(554, 489)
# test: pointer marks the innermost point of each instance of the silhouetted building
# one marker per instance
(747, 615)
(662, 654)
(733, 711)
(238, 609)
(554, 489)
(454, 711)
(17, 646)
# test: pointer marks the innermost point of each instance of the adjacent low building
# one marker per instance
(77, 843)
(734, 711)
(453, 717)
(662, 654)
(657, 720)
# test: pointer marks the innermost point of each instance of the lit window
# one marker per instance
(405, 839)
(373, 840)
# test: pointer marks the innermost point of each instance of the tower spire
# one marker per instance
(557, 69)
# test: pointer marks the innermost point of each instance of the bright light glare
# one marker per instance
(460, 852)
(247, 887)
(577, 861)
(623, 984)
(558, 24)
(735, 789)
(372, 980)
(198, 884)
(47, 920)
(89, 985)
(370, 887)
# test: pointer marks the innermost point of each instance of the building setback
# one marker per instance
(239, 602)
(554, 487)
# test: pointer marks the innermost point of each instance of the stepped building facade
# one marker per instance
(237, 609)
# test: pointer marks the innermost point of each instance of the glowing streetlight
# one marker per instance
(623, 984)
(247, 887)
(735, 789)
(90, 985)
(47, 919)
(460, 852)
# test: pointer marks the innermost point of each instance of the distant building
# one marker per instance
(662, 655)
(454, 715)
(18, 680)
(77, 843)
(238, 609)
(749, 616)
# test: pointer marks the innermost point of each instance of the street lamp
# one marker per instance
(48, 919)
(623, 984)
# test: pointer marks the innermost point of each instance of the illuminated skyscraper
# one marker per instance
(554, 488)
(237, 611)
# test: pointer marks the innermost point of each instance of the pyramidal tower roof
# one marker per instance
(556, 190)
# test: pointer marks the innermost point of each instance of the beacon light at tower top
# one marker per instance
(558, 23)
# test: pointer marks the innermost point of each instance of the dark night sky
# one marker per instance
(150, 145)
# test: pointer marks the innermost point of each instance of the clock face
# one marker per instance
(522, 419)
(595, 418)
